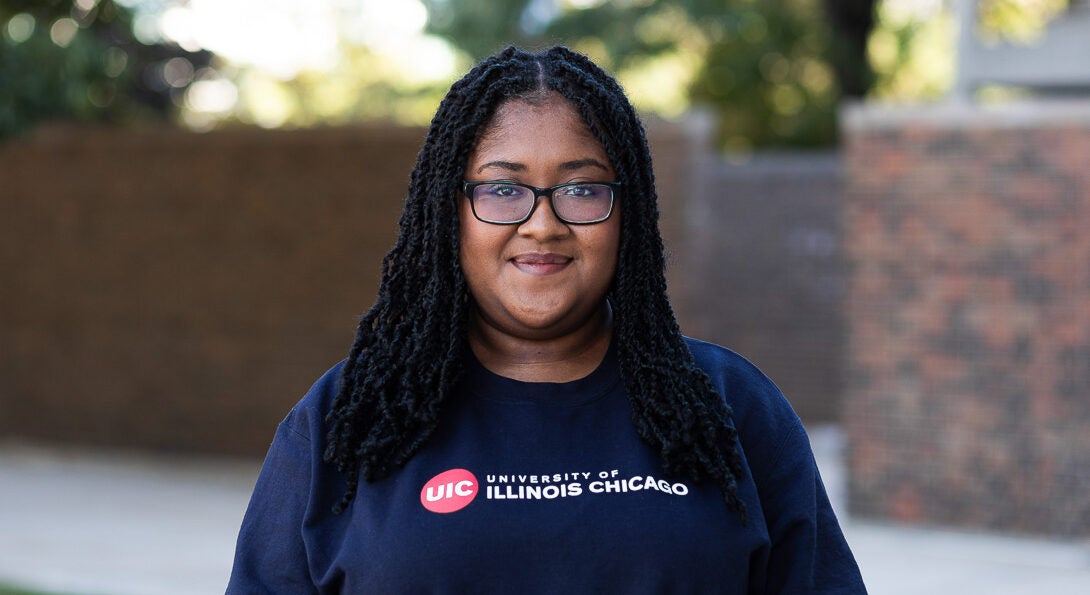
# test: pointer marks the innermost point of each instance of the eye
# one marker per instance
(500, 190)
(582, 190)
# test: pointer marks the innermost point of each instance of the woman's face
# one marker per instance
(542, 278)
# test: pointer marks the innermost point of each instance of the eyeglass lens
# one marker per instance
(575, 203)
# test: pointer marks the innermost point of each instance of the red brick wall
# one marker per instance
(180, 291)
(172, 290)
(968, 385)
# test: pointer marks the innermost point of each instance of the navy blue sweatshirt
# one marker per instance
(547, 488)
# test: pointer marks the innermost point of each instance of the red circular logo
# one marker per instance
(449, 491)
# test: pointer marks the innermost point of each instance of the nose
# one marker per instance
(543, 222)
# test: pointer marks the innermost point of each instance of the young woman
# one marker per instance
(519, 411)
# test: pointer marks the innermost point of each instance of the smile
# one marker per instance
(541, 264)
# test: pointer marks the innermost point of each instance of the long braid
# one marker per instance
(407, 357)
(691, 428)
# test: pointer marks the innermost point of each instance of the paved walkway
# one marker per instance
(117, 524)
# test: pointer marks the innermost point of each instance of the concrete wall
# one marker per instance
(1047, 64)
(968, 387)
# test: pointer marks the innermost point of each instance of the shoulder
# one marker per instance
(765, 420)
(736, 379)
(307, 417)
(721, 361)
(324, 390)
(808, 553)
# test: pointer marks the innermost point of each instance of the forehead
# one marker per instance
(540, 121)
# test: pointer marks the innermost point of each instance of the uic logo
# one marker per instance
(450, 491)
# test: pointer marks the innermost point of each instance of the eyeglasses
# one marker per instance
(508, 203)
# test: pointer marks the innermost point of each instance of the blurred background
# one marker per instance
(882, 203)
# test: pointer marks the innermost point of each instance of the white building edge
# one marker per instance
(1055, 64)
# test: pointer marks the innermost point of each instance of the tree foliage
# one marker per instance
(1019, 21)
(80, 60)
(772, 70)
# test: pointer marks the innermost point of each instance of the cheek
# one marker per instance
(467, 235)
(605, 245)
(479, 247)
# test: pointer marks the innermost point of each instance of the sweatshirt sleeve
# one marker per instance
(270, 556)
(273, 554)
(808, 551)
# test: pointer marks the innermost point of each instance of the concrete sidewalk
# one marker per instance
(120, 524)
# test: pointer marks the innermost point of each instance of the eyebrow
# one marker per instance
(566, 166)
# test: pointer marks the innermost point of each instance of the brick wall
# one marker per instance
(180, 291)
(172, 290)
(968, 385)
(763, 256)
(754, 257)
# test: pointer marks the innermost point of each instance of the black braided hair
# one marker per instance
(407, 358)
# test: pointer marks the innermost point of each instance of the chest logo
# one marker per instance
(450, 491)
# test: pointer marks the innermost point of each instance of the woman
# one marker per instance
(519, 411)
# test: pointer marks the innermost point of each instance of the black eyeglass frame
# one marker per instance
(468, 187)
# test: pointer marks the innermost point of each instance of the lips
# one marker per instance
(540, 264)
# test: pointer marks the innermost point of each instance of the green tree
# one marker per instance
(767, 74)
(80, 60)
(773, 70)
